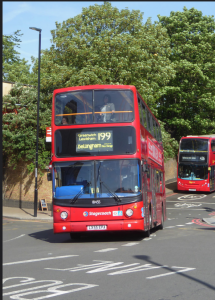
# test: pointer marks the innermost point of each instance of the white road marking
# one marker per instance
(130, 244)
(112, 266)
(137, 269)
(171, 273)
(170, 227)
(14, 238)
(52, 291)
(187, 205)
(186, 208)
(103, 266)
(106, 250)
(147, 239)
(36, 260)
(189, 223)
(179, 225)
(83, 267)
(191, 197)
(194, 202)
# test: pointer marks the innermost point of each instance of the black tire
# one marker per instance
(147, 233)
(161, 226)
(150, 218)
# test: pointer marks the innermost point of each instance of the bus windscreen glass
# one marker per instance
(109, 178)
(192, 171)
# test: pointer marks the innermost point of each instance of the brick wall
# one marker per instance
(170, 169)
(19, 186)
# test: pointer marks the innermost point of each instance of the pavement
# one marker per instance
(210, 221)
(28, 214)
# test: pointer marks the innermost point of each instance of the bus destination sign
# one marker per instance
(94, 141)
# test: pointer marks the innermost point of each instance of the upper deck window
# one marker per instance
(213, 145)
(94, 106)
(194, 145)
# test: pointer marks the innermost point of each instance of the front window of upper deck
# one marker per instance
(94, 106)
(194, 145)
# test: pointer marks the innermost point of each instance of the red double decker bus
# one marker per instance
(107, 161)
(196, 163)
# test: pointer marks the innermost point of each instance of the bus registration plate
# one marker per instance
(98, 227)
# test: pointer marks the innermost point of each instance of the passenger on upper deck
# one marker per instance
(64, 121)
(108, 109)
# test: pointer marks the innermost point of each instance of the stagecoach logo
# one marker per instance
(191, 182)
(96, 202)
(85, 213)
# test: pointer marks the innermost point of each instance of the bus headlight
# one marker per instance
(129, 212)
(64, 215)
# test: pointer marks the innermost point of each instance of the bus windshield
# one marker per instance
(94, 106)
(192, 172)
(194, 145)
(91, 179)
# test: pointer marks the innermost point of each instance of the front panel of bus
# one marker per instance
(193, 165)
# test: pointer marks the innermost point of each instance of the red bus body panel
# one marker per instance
(113, 217)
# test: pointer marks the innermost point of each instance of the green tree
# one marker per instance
(188, 106)
(170, 144)
(14, 68)
(19, 129)
(106, 46)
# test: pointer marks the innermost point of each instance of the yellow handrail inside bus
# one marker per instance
(89, 113)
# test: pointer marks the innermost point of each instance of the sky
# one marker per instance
(43, 14)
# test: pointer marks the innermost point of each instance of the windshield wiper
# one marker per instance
(112, 193)
(79, 193)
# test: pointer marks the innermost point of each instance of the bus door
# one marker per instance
(212, 178)
(153, 189)
(145, 197)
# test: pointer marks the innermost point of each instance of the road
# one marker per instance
(174, 263)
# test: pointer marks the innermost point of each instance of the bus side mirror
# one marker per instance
(49, 176)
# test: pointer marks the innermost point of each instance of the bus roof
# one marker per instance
(201, 136)
(96, 86)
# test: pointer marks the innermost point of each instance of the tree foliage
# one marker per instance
(188, 106)
(14, 68)
(20, 129)
(100, 46)
(106, 46)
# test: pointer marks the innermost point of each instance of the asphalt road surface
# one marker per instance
(174, 263)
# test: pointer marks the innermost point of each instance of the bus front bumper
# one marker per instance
(119, 225)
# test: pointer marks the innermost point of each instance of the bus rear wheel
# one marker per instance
(161, 226)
